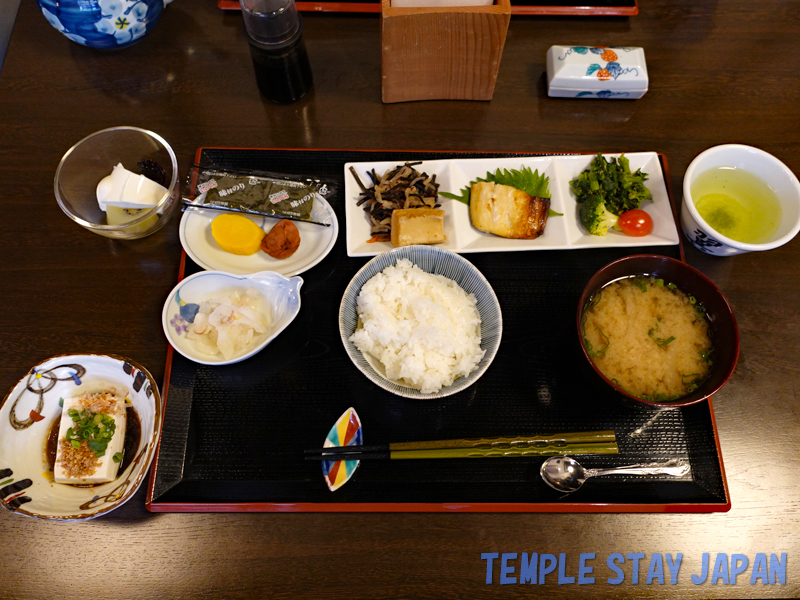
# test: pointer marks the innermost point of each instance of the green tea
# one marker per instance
(737, 204)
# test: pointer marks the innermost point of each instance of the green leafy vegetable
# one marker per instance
(525, 180)
(608, 186)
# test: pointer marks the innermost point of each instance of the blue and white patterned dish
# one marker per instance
(281, 293)
(440, 262)
(771, 170)
(33, 406)
(105, 24)
(607, 73)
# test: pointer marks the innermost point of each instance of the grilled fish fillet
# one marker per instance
(507, 211)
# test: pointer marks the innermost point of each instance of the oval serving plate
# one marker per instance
(440, 262)
(316, 242)
(26, 416)
(281, 293)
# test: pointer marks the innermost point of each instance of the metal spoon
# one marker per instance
(565, 474)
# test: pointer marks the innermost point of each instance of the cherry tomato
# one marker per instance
(636, 223)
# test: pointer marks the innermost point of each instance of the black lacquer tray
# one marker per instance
(234, 436)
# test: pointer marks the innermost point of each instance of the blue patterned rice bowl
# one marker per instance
(439, 262)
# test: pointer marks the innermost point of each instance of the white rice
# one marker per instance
(423, 328)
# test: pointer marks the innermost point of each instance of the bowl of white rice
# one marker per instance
(420, 322)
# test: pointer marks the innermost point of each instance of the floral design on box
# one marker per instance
(612, 68)
(607, 53)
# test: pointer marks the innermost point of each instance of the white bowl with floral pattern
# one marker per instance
(31, 411)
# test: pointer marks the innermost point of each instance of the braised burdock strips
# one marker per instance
(400, 188)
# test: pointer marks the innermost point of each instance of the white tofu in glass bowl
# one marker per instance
(121, 182)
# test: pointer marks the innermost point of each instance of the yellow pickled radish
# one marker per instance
(237, 234)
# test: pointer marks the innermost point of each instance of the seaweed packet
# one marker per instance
(260, 193)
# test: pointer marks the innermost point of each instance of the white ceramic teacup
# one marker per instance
(776, 175)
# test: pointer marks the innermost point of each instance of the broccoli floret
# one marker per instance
(594, 215)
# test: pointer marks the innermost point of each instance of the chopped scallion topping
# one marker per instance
(662, 342)
(96, 429)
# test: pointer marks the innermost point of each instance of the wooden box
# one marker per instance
(442, 53)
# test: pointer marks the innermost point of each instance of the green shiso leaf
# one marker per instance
(464, 197)
(525, 180)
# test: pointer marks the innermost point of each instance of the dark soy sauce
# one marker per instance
(283, 72)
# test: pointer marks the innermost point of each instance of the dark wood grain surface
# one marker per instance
(721, 71)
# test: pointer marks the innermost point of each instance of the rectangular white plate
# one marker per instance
(561, 233)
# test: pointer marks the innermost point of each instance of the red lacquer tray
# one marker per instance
(609, 8)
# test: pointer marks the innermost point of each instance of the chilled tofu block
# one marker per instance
(140, 192)
(91, 433)
(112, 186)
(125, 189)
(417, 226)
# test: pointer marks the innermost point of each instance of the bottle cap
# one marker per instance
(270, 21)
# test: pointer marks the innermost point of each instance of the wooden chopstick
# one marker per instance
(531, 441)
(572, 449)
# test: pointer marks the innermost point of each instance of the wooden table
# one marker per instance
(721, 71)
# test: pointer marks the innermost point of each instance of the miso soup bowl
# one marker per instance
(723, 331)
(762, 164)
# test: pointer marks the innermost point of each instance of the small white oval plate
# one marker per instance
(316, 242)
(29, 410)
(281, 293)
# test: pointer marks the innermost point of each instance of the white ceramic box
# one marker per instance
(606, 72)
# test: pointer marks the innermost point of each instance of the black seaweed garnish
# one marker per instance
(152, 170)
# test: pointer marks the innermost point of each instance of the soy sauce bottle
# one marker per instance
(274, 30)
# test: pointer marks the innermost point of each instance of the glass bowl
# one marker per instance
(93, 158)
